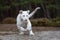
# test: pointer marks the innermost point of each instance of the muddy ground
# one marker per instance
(12, 27)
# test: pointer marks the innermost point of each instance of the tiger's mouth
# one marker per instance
(24, 20)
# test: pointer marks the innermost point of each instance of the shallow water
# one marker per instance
(43, 35)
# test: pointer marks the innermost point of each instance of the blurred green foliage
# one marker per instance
(50, 10)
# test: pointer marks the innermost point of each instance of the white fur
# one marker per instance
(23, 22)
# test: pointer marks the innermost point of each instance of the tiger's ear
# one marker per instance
(20, 11)
(28, 11)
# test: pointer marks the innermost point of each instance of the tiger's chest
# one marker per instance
(24, 24)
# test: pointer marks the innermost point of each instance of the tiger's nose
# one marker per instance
(25, 20)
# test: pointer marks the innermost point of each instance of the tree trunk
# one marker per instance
(30, 8)
(46, 12)
(43, 10)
